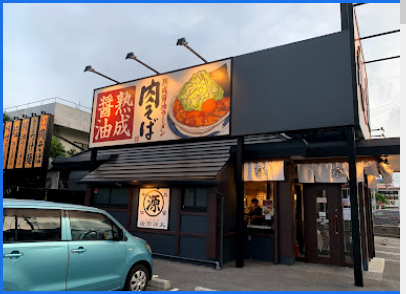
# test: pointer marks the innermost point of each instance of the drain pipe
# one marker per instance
(216, 263)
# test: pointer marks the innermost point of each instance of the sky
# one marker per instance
(47, 46)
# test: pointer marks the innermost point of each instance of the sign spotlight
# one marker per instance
(182, 42)
(89, 68)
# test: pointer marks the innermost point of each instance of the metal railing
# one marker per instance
(41, 102)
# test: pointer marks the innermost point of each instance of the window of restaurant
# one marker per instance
(114, 201)
(194, 199)
(259, 205)
(111, 197)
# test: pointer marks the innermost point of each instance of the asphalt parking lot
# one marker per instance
(264, 276)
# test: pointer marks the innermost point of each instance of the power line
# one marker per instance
(385, 110)
(382, 59)
(386, 106)
(359, 4)
(378, 35)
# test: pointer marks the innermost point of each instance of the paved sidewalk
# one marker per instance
(264, 276)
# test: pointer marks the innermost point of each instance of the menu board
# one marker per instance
(267, 208)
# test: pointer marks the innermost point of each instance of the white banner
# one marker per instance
(153, 209)
(189, 103)
(306, 173)
(264, 171)
(323, 172)
(366, 168)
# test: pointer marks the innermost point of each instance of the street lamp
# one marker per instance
(380, 129)
(133, 57)
(182, 42)
(89, 68)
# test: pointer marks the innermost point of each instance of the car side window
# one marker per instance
(9, 226)
(31, 225)
(92, 226)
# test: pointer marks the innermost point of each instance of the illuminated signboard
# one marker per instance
(13, 144)
(22, 144)
(189, 103)
(42, 135)
(153, 209)
(29, 157)
(6, 141)
(362, 83)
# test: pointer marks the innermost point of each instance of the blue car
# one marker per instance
(58, 247)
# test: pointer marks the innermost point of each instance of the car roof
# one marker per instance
(27, 203)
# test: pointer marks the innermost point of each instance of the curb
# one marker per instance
(203, 289)
(160, 284)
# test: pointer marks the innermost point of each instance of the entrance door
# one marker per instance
(323, 224)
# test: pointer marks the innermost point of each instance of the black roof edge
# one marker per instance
(157, 183)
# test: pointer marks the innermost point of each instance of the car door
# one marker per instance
(35, 257)
(96, 258)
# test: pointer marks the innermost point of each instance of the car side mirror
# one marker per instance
(120, 235)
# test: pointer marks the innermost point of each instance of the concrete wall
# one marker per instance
(66, 116)
(49, 108)
(72, 118)
(70, 123)
(72, 135)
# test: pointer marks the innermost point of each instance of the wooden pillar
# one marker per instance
(286, 216)
(356, 245)
(212, 225)
(239, 187)
(368, 214)
(88, 195)
(89, 187)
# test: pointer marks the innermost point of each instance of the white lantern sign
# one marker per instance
(153, 209)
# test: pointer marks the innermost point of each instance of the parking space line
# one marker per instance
(392, 260)
(385, 252)
(391, 247)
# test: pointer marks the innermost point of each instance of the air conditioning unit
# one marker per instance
(52, 181)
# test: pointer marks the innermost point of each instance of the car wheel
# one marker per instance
(137, 279)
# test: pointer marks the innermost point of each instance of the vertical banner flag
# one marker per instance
(22, 144)
(29, 159)
(153, 209)
(6, 141)
(42, 135)
(13, 144)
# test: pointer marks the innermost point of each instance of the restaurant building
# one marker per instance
(262, 156)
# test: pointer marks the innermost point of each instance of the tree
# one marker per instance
(380, 198)
(57, 149)
(72, 151)
(6, 117)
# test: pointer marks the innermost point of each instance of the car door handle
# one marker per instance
(80, 250)
(14, 254)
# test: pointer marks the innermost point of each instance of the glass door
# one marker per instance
(323, 224)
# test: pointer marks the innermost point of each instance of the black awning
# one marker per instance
(175, 163)
(78, 161)
(272, 150)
